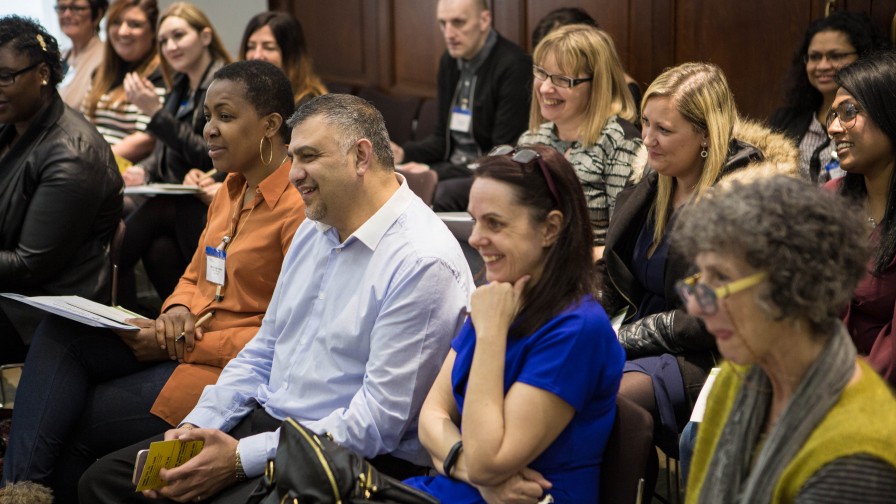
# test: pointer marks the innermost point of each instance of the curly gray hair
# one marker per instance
(812, 244)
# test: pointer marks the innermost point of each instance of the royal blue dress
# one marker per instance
(575, 355)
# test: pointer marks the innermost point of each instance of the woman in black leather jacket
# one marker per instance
(60, 190)
(693, 137)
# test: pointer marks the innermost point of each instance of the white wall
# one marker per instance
(228, 16)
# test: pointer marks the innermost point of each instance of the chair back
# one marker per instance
(423, 184)
(427, 117)
(398, 111)
(625, 458)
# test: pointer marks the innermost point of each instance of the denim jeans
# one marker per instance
(82, 395)
(686, 449)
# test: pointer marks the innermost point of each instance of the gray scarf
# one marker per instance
(730, 477)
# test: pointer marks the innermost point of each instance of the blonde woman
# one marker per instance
(693, 137)
(582, 107)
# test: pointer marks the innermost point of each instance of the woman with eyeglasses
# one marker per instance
(581, 106)
(277, 37)
(163, 231)
(80, 22)
(830, 43)
(130, 48)
(60, 193)
(862, 125)
(793, 416)
(693, 137)
(525, 400)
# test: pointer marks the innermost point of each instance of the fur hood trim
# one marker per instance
(781, 154)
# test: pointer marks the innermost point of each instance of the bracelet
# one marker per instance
(240, 472)
(453, 456)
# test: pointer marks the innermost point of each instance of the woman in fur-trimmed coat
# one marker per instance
(687, 113)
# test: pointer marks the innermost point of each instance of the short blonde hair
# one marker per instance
(701, 95)
(581, 49)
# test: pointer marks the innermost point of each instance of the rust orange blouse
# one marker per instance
(261, 233)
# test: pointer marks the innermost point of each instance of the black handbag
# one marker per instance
(312, 469)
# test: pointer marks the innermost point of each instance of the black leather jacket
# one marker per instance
(60, 203)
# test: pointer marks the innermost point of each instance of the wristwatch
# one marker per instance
(240, 472)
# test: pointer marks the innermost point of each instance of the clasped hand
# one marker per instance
(159, 339)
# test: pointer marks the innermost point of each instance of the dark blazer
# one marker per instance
(60, 203)
(500, 106)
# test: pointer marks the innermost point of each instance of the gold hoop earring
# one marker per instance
(261, 150)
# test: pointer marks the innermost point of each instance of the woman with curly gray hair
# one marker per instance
(794, 415)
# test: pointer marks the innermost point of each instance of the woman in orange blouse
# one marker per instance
(86, 392)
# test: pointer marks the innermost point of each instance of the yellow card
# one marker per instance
(165, 454)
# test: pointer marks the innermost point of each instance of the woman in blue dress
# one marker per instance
(525, 400)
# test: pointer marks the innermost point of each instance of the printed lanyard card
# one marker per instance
(214, 265)
(461, 119)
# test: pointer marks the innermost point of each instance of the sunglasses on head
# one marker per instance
(525, 157)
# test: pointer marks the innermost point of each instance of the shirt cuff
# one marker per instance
(256, 450)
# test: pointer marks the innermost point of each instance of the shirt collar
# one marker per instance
(374, 228)
(271, 188)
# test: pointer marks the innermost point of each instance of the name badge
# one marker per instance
(461, 120)
(214, 265)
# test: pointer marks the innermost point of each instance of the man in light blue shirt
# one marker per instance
(372, 291)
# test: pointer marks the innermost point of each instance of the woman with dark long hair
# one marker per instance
(277, 37)
(525, 400)
(862, 126)
(829, 44)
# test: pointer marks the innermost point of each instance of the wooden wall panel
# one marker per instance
(755, 63)
(342, 38)
(417, 44)
(509, 18)
(650, 38)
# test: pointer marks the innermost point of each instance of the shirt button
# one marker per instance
(336, 251)
(320, 296)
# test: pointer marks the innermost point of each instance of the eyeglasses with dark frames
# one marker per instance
(525, 157)
(836, 58)
(561, 81)
(708, 297)
(76, 9)
(8, 79)
(846, 112)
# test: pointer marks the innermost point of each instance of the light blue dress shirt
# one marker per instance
(354, 335)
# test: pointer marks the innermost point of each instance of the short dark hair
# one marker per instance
(811, 244)
(27, 37)
(862, 34)
(872, 82)
(267, 89)
(568, 265)
(354, 118)
(561, 17)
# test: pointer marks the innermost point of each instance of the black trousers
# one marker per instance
(109, 479)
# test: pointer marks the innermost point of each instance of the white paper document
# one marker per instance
(700, 405)
(80, 310)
